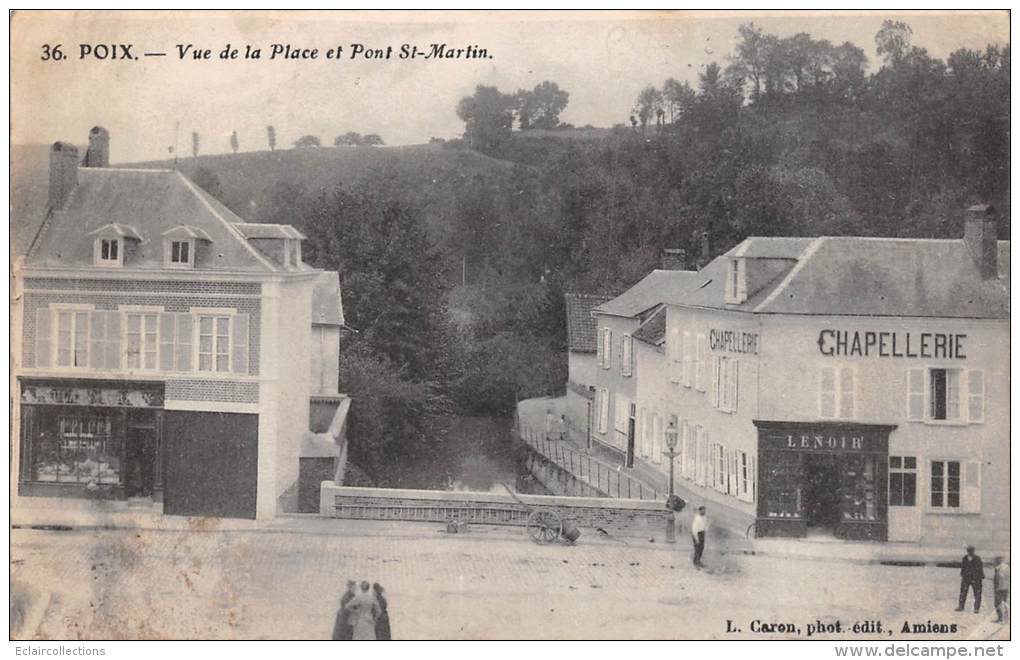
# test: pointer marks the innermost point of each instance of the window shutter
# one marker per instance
(686, 355)
(604, 411)
(953, 394)
(846, 393)
(827, 393)
(113, 340)
(608, 350)
(713, 394)
(627, 350)
(166, 342)
(971, 492)
(753, 477)
(239, 349)
(734, 388)
(97, 340)
(182, 342)
(675, 355)
(915, 394)
(598, 347)
(699, 367)
(976, 396)
(43, 337)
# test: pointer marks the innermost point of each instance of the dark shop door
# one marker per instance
(821, 491)
(211, 464)
(139, 461)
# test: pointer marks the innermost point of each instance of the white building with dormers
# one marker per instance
(855, 388)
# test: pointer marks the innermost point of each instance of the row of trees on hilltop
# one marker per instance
(351, 139)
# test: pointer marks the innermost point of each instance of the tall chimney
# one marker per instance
(980, 236)
(98, 154)
(674, 258)
(706, 253)
(63, 173)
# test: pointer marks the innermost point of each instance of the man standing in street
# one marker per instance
(972, 572)
(1000, 582)
(698, 528)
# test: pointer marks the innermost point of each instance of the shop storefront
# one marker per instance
(823, 479)
(90, 439)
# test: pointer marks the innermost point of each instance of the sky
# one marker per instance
(603, 59)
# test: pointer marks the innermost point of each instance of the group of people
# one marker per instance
(972, 575)
(363, 614)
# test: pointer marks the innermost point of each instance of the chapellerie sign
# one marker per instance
(856, 343)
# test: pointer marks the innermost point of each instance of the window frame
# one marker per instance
(74, 310)
(127, 311)
(168, 253)
(944, 506)
(902, 470)
(838, 392)
(116, 242)
(964, 395)
(197, 314)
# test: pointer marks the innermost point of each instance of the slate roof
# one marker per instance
(890, 277)
(657, 287)
(653, 330)
(581, 325)
(327, 302)
(864, 276)
(150, 202)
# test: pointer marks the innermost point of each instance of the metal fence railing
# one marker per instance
(603, 477)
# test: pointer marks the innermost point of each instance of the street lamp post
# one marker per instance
(671, 442)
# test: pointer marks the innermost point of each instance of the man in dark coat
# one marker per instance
(342, 628)
(972, 572)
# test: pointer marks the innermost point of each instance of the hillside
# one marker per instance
(425, 177)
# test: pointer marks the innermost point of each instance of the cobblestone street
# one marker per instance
(491, 583)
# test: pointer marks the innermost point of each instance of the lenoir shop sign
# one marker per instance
(857, 343)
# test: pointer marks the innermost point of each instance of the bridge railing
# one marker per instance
(607, 479)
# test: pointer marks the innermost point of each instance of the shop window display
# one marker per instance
(860, 491)
(784, 492)
(77, 449)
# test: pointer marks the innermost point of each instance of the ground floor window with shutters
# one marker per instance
(603, 410)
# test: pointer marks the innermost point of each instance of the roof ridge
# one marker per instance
(234, 231)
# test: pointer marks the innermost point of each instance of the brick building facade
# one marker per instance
(165, 347)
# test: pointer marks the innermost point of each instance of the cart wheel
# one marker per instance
(544, 526)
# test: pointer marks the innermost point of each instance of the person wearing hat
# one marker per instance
(1000, 581)
(698, 528)
(972, 572)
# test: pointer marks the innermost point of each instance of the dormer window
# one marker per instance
(112, 244)
(736, 282)
(180, 253)
(109, 250)
(181, 244)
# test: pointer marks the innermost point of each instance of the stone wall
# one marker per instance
(619, 517)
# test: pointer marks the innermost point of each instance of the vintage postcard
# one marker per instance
(491, 325)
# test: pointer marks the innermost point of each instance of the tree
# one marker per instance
(649, 103)
(749, 60)
(678, 98)
(488, 117)
(307, 141)
(349, 139)
(893, 41)
(271, 136)
(392, 273)
(372, 140)
(541, 107)
(194, 144)
(233, 142)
